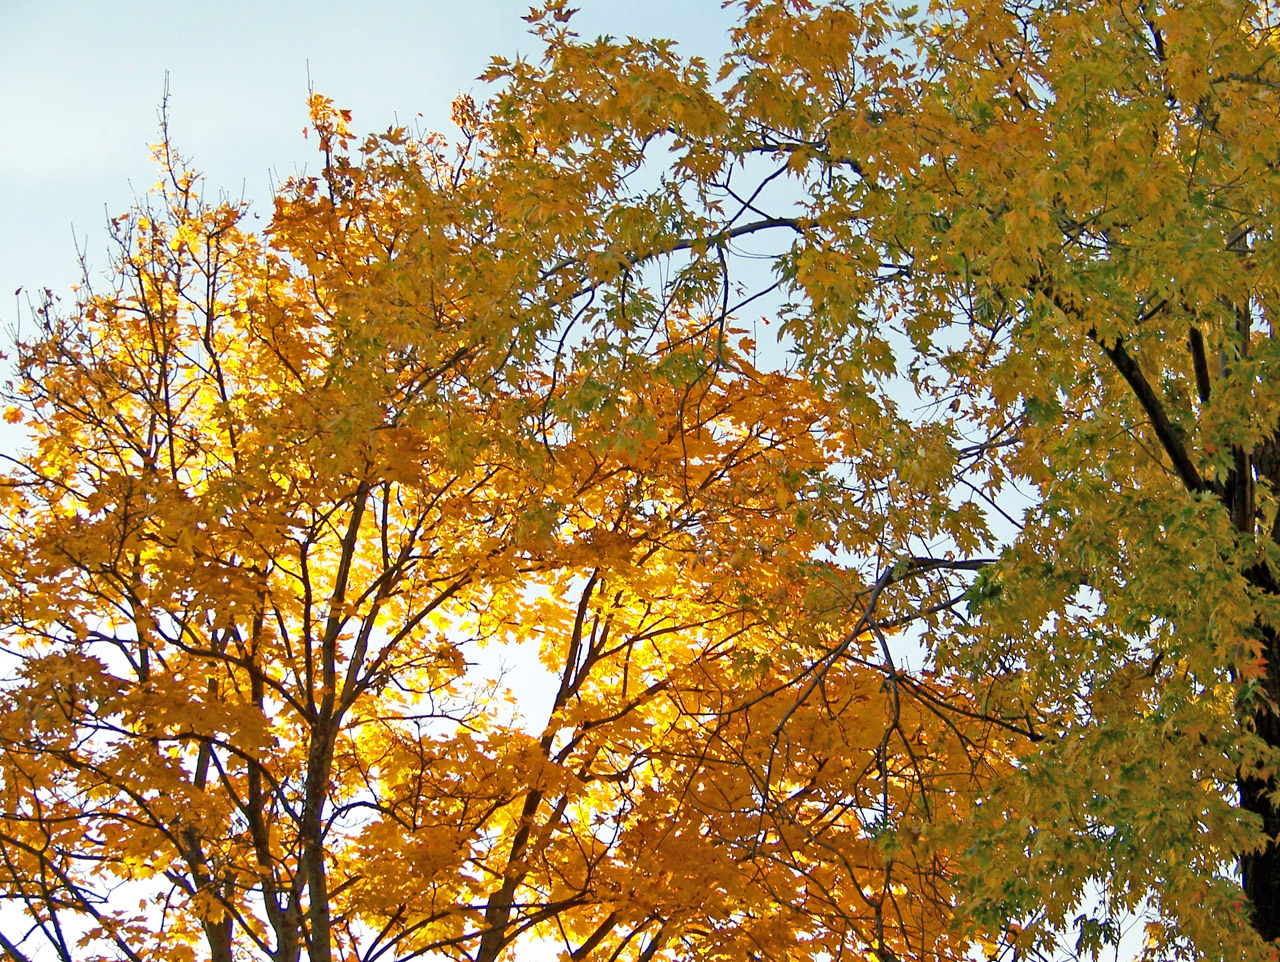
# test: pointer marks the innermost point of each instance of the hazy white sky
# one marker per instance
(81, 80)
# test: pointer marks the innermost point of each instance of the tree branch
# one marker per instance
(1169, 434)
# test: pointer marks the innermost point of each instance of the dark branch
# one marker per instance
(1169, 434)
(1201, 365)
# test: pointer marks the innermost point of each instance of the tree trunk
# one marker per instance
(1260, 870)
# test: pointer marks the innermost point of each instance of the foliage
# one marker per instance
(283, 486)
(289, 497)
(1031, 256)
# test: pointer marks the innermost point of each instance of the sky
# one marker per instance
(81, 83)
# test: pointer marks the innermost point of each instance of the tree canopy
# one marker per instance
(936, 611)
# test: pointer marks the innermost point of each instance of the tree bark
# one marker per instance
(1260, 870)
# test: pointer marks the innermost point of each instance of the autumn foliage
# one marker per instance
(934, 612)
(283, 493)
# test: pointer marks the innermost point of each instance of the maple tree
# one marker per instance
(283, 492)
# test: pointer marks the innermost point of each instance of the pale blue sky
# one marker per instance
(80, 82)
